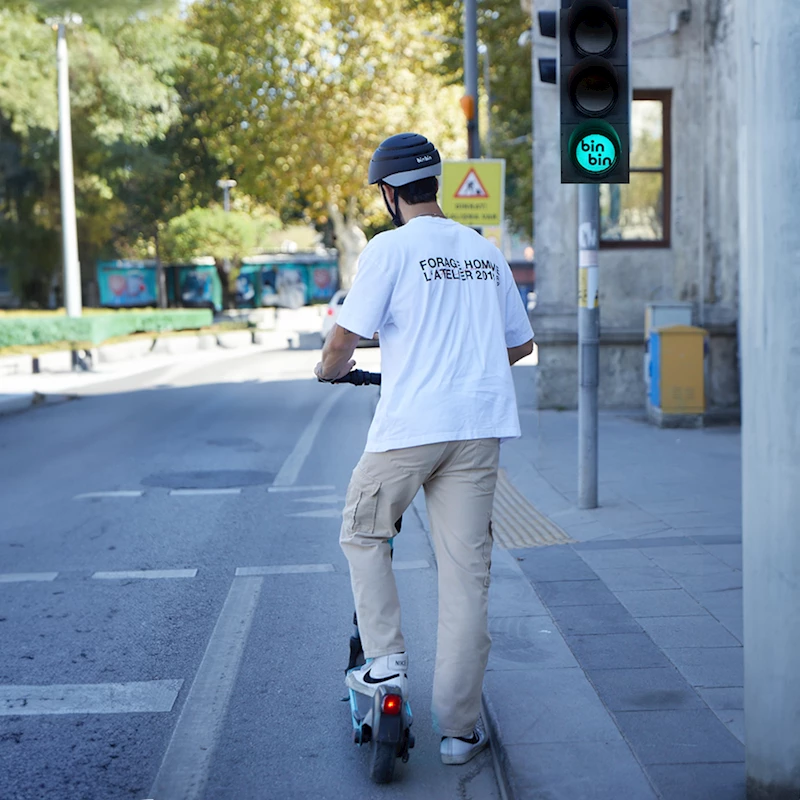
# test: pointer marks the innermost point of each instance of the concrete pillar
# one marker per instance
(769, 192)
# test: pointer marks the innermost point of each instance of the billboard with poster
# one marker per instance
(127, 284)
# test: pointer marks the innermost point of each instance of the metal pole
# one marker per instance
(72, 267)
(488, 92)
(471, 74)
(227, 201)
(769, 195)
(588, 343)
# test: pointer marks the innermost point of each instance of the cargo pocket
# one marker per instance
(363, 503)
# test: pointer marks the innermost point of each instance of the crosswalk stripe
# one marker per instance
(89, 698)
(97, 495)
(284, 569)
(324, 488)
(198, 492)
(145, 573)
(22, 577)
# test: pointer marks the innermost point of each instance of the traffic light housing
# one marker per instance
(594, 87)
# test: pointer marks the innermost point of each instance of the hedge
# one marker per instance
(96, 328)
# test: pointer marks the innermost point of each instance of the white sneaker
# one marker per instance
(458, 751)
(385, 670)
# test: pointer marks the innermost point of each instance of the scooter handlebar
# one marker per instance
(359, 377)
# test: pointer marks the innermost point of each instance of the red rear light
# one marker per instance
(330, 311)
(392, 703)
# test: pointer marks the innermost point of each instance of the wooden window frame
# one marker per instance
(665, 97)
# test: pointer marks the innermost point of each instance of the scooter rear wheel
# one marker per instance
(382, 758)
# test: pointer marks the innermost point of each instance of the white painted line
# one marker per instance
(149, 574)
(198, 492)
(294, 463)
(323, 513)
(23, 577)
(184, 770)
(299, 488)
(410, 565)
(322, 500)
(89, 698)
(95, 495)
(285, 569)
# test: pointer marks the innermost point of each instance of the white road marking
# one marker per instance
(149, 574)
(94, 495)
(324, 499)
(410, 564)
(22, 577)
(299, 488)
(184, 771)
(198, 492)
(294, 463)
(285, 569)
(323, 513)
(89, 698)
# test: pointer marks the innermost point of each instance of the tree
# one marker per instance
(123, 97)
(226, 236)
(298, 105)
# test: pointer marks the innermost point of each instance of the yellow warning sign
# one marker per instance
(473, 191)
(471, 186)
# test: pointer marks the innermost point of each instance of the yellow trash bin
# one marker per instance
(677, 374)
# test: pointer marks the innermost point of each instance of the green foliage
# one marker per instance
(96, 328)
(214, 232)
(298, 106)
(123, 97)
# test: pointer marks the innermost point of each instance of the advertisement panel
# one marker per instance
(199, 286)
(127, 284)
(247, 287)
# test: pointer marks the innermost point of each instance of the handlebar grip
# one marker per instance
(358, 377)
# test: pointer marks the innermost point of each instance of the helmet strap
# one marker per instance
(397, 219)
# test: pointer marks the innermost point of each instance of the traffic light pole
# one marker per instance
(471, 75)
(588, 343)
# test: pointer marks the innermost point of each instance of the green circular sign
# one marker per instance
(596, 153)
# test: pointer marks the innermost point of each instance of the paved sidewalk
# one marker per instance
(616, 667)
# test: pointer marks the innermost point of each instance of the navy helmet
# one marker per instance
(404, 158)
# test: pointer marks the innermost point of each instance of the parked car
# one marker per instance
(332, 314)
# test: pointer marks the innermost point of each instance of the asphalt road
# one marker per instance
(174, 606)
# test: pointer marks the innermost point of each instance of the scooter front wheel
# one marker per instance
(382, 759)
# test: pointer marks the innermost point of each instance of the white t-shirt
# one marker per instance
(446, 307)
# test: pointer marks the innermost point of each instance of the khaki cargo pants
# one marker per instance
(459, 480)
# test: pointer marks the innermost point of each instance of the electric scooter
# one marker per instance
(382, 721)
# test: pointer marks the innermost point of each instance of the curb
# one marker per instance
(61, 360)
(16, 403)
(24, 402)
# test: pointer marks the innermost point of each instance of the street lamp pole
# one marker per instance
(226, 186)
(69, 227)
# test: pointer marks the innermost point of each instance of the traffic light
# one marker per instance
(594, 86)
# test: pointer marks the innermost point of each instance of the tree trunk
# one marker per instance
(161, 283)
(350, 241)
